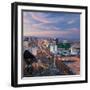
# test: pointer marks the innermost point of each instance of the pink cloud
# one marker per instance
(39, 18)
(74, 30)
(46, 33)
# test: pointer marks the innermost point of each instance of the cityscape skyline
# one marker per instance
(52, 24)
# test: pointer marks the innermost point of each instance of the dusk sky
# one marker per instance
(51, 24)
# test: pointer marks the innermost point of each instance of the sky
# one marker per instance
(62, 25)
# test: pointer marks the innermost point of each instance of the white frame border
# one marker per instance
(32, 80)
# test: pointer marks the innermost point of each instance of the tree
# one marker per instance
(64, 45)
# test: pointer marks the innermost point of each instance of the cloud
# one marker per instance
(39, 18)
(74, 30)
(46, 33)
(43, 17)
(71, 22)
(52, 33)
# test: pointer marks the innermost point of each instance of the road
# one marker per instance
(69, 64)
